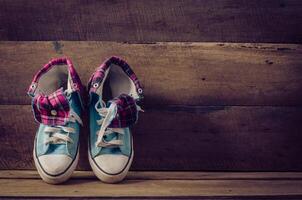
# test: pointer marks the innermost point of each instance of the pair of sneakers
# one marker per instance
(57, 103)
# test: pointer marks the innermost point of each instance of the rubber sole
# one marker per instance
(108, 178)
(56, 179)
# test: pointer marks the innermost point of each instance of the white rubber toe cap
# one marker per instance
(54, 164)
(112, 164)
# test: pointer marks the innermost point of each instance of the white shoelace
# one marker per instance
(107, 115)
(55, 132)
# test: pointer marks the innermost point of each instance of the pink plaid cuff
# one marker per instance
(99, 74)
(127, 112)
(76, 82)
(52, 109)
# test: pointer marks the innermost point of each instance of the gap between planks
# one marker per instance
(167, 175)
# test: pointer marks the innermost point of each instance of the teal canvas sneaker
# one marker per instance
(56, 103)
(114, 92)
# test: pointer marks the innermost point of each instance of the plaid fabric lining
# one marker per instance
(99, 74)
(126, 112)
(51, 110)
(76, 86)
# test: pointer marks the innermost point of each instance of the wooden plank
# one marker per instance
(211, 138)
(235, 183)
(172, 73)
(164, 175)
(153, 21)
(151, 188)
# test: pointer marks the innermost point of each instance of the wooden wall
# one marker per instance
(153, 21)
(222, 78)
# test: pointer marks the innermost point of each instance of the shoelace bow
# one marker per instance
(60, 134)
(107, 115)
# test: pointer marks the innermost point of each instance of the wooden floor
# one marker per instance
(167, 185)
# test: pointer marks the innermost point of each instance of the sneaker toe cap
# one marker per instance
(55, 164)
(112, 164)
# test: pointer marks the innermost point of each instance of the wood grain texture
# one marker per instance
(152, 188)
(171, 73)
(211, 138)
(157, 185)
(152, 21)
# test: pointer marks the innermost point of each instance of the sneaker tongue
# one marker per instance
(51, 109)
(126, 112)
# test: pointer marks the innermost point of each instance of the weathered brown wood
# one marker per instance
(218, 138)
(164, 175)
(172, 73)
(153, 21)
(153, 188)
(158, 185)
